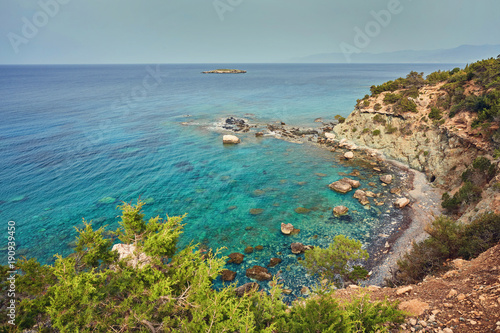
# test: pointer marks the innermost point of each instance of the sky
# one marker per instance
(234, 31)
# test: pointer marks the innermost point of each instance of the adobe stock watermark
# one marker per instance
(223, 6)
(31, 27)
(372, 29)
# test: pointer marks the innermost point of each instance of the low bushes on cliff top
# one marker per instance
(448, 239)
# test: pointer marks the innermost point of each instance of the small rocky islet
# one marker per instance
(225, 71)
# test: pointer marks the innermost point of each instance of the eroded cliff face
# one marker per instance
(441, 156)
(443, 149)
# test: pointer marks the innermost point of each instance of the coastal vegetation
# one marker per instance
(448, 239)
(159, 288)
(334, 263)
(448, 126)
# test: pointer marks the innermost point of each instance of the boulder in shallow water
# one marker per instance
(348, 155)
(361, 196)
(246, 288)
(286, 228)
(236, 258)
(297, 248)
(340, 210)
(401, 202)
(230, 139)
(249, 249)
(387, 179)
(258, 273)
(227, 275)
(273, 262)
(340, 186)
(370, 194)
(258, 134)
(353, 182)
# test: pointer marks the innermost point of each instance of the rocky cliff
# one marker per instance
(442, 148)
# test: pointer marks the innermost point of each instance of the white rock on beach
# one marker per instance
(330, 136)
(232, 139)
(129, 252)
(401, 202)
(349, 155)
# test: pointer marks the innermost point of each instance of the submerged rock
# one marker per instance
(236, 258)
(227, 275)
(246, 288)
(256, 211)
(105, 200)
(259, 248)
(249, 249)
(340, 210)
(258, 273)
(230, 139)
(302, 210)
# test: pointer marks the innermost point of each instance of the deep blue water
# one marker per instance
(75, 141)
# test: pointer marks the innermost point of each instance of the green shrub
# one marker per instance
(480, 235)
(366, 130)
(390, 98)
(354, 129)
(438, 76)
(340, 119)
(435, 113)
(467, 194)
(376, 132)
(389, 129)
(413, 92)
(326, 314)
(387, 86)
(333, 262)
(448, 239)
(406, 105)
(459, 76)
(379, 119)
(366, 104)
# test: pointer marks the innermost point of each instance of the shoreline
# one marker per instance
(425, 199)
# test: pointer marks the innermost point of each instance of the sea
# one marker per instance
(76, 141)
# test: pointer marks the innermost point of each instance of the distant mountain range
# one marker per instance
(460, 54)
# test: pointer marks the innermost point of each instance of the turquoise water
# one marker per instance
(76, 141)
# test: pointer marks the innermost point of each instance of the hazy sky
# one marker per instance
(180, 31)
